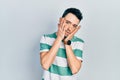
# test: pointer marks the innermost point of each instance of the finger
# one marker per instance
(73, 33)
(60, 28)
(62, 22)
(63, 25)
(76, 30)
(58, 25)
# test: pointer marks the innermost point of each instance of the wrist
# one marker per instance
(66, 41)
(59, 38)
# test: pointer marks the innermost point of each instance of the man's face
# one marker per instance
(71, 23)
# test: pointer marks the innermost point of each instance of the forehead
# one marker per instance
(72, 18)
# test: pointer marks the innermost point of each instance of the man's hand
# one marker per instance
(61, 29)
(69, 37)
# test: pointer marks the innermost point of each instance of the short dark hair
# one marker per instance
(74, 11)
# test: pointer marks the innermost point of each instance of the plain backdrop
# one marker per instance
(23, 22)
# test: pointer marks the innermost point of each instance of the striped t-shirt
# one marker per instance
(59, 70)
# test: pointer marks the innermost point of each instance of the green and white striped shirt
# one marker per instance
(59, 70)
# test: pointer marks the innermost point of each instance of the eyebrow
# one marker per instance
(69, 21)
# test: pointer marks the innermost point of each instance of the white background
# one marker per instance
(23, 22)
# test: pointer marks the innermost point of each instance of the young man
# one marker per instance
(61, 51)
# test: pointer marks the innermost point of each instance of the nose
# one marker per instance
(70, 28)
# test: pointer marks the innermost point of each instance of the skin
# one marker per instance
(67, 26)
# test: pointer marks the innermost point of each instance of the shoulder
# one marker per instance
(51, 35)
(48, 38)
(77, 39)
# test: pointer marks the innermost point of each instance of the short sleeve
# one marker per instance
(78, 51)
(43, 44)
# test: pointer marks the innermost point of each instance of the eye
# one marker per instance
(67, 22)
(75, 25)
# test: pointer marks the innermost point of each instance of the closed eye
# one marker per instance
(68, 22)
(75, 25)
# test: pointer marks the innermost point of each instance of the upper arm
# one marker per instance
(44, 47)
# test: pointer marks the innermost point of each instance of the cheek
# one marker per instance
(66, 27)
(72, 29)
